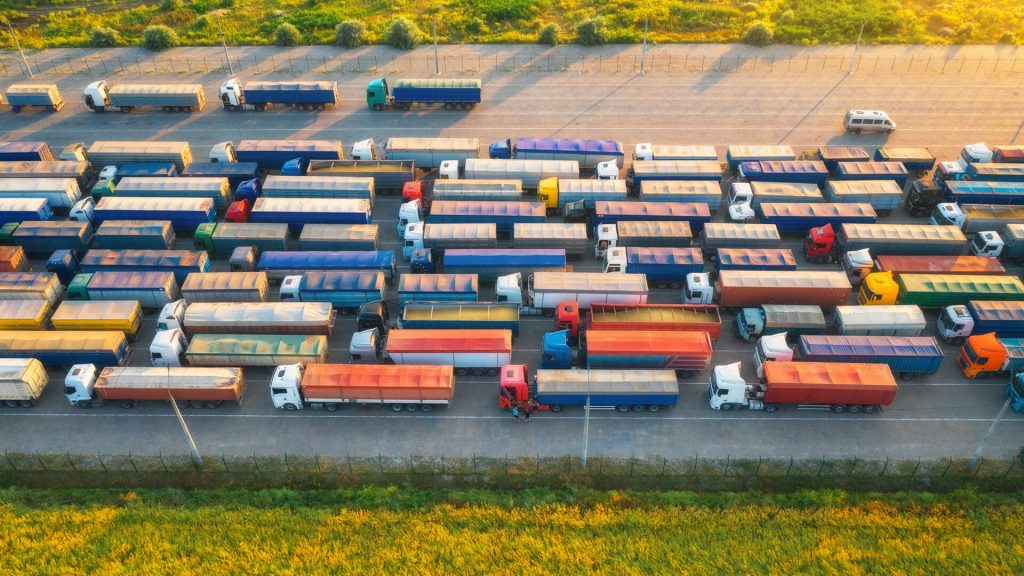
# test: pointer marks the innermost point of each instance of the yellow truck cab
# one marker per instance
(878, 288)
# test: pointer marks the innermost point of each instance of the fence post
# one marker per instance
(9, 461)
(71, 462)
(104, 466)
(1013, 462)
(728, 462)
(380, 463)
(224, 461)
(949, 464)
(790, 465)
(694, 465)
(255, 463)
(981, 462)
(884, 466)
(915, 468)
(757, 471)
(852, 468)
(164, 464)
(664, 464)
(287, 466)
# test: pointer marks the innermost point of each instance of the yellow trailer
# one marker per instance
(25, 314)
(116, 315)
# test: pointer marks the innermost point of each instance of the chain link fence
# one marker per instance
(669, 62)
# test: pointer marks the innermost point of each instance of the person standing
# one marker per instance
(515, 412)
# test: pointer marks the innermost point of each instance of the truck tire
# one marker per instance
(411, 407)
(211, 404)
(838, 408)
(725, 407)
(319, 107)
(378, 107)
(477, 371)
(638, 408)
(426, 408)
(11, 403)
(331, 407)
(907, 375)
(622, 408)
(771, 408)
(407, 107)
(396, 407)
(462, 372)
(870, 409)
(27, 403)
(290, 407)
(492, 371)
(17, 109)
(126, 404)
(449, 106)
(555, 407)
(653, 408)
(854, 408)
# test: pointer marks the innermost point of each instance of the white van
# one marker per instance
(868, 121)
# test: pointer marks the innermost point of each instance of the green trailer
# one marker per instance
(255, 349)
(941, 290)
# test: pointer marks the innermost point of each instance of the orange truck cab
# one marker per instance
(818, 243)
(514, 387)
(987, 355)
(567, 317)
(238, 211)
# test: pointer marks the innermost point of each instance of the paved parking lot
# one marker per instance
(939, 416)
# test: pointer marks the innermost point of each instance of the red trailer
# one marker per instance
(685, 352)
(12, 259)
(741, 288)
(672, 317)
(195, 387)
(329, 386)
(974, 265)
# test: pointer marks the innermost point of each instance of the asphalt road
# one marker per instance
(939, 416)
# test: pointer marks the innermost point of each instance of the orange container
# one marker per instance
(376, 383)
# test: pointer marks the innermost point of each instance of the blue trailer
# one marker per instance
(694, 213)
(589, 153)
(272, 154)
(235, 172)
(454, 93)
(981, 192)
(297, 212)
(43, 237)
(662, 266)
(184, 214)
(278, 264)
(259, 96)
(460, 316)
(504, 215)
(146, 170)
(138, 234)
(346, 290)
(23, 209)
(832, 155)
(32, 151)
(907, 356)
(661, 170)
(873, 171)
(438, 288)
(802, 216)
(66, 348)
(800, 171)
(180, 262)
(756, 259)
(1006, 319)
(491, 263)
(996, 172)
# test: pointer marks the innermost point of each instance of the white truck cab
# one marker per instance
(172, 316)
(107, 173)
(83, 210)
(231, 94)
(285, 389)
(608, 170)
(771, 348)
(699, 289)
(643, 151)
(413, 237)
(223, 152)
(606, 237)
(727, 390)
(365, 150)
(857, 264)
(972, 153)
(955, 324)
(96, 97)
(366, 347)
(409, 213)
(168, 348)
(79, 385)
(741, 199)
(947, 214)
(449, 170)
(509, 289)
(615, 260)
(290, 288)
(987, 243)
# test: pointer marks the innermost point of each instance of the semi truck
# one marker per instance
(43, 237)
(686, 352)
(858, 264)
(221, 239)
(460, 316)
(429, 153)
(225, 287)
(915, 159)
(742, 288)
(571, 237)
(745, 198)
(116, 152)
(66, 347)
(755, 259)
(120, 315)
(248, 318)
(1004, 319)
(737, 154)
(86, 386)
(389, 176)
(906, 356)
(894, 171)
(671, 170)
(529, 172)
(153, 289)
(315, 95)
(664, 267)
(642, 233)
(277, 265)
(936, 290)
(983, 192)
(80, 171)
(170, 348)
(30, 286)
(504, 215)
(60, 193)
(1006, 243)
(804, 171)
(20, 96)
(184, 214)
(331, 386)
(989, 356)
(622, 390)
(648, 151)
(404, 93)
(557, 193)
(717, 235)
(24, 209)
(22, 381)
(548, 290)
(438, 288)
(276, 186)
(468, 351)
(588, 153)
(235, 172)
(22, 151)
(273, 154)
(491, 263)
(344, 290)
(824, 244)
(793, 320)
(338, 237)
(297, 212)
(891, 320)
(101, 97)
(697, 215)
(141, 234)
(439, 238)
(882, 195)
(832, 386)
(975, 218)
(216, 189)
(696, 191)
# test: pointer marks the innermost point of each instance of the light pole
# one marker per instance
(196, 458)
(433, 30)
(853, 57)
(224, 43)
(586, 428)
(18, 45)
(643, 49)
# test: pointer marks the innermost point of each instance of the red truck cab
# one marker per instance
(514, 387)
(567, 317)
(412, 190)
(238, 211)
(818, 243)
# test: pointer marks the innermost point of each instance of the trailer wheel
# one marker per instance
(684, 374)
(11, 403)
(770, 408)
(653, 408)
(839, 408)
(660, 284)
(378, 107)
(555, 407)
(407, 107)
(320, 107)
(17, 109)
(638, 408)
(870, 409)
(907, 375)
(461, 372)
(449, 106)
(211, 404)
(676, 285)
(549, 312)
(426, 408)
(126, 404)
(492, 371)
(854, 408)
(622, 408)
(411, 407)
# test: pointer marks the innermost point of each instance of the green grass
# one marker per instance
(67, 23)
(389, 530)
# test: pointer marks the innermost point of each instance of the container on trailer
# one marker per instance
(805, 171)
(255, 349)
(216, 189)
(697, 215)
(738, 288)
(43, 95)
(783, 192)
(756, 259)
(303, 95)
(906, 356)
(460, 316)
(975, 265)
(463, 349)
(297, 212)
(549, 289)
(141, 234)
(153, 289)
(438, 288)
(995, 172)
(80, 171)
(120, 315)
(25, 314)
(656, 317)
(167, 96)
(259, 318)
(338, 237)
(180, 262)
(66, 347)
(655, 233)
(728, 235)
(1008, 154)
(24, 209)
(571, 237)
(225, 287)
(206, 387)
(235, 172)
(280, 264)
(13, 259)
(481, 190)
(915, 159)
(555, 193)
(686, 352)
(662, 266)
(646, 151)
(22, 381)
(529, 172)
(985, 192)
(346, 290)
(329, 386)
(428, 153)
(802, 216)
(184, 214)
(1005, 319)
(43, 237)
(490, 263)
(735, 155)
(138, 170)
(457, 92)
(661, 170)
(110, 152)
(504, 215)
(755, 322)
(30, 286)
(829, 383)
(621, 389)
(276, 186)
(589, 153)
(893, 320)
(982, 217)
(61, 193)
(873, 171)
(697, 191)
(31, 151)
(388, 175)
(222, 238)
(832, 155)
(936, 290)
(883, 195)
(272, 154)
(441, 237)
(911, 239)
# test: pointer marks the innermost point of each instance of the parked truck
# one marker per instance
(755, 259)
(717, 235)
(101, 97)
(547, 290)
(153, 289)
(975, 218)
(737, 154)
(804, 171)
(86, 386)
(468, 351)
(646, 317)
(671, 170)
(20, 96)
(220, 239)
(977, 192)
(557, 193)
(30, 286)
(23, 150)
(1004, 319)
(225, 287)
(623, 390)
(936, 290)
(685, 352)
(115, 152)
(664, 267)
(43, 237)
(235, 172)
(906, 356)
(184, 214)
(331, 386)
(389, 176)
(529, 172)
(345, 290)
(894, 171)
(60, 193)
(248, 318)
(479, 190)
(25, 315)
(915, 159)
(438, 288)
(273, 154)
(297, 212)
(170, 348)
(13, 259)
(22, 381)
(24, 209)
(316, 95)
(180, 262)
(491, 263)
(858, 264)
(453, 93)
(277, 265)
(141, 234)
(742, 288)
(120, 315)
(66, 347)
(429, 153)
(824, 244)
(590, 154)
(460, 316)
(832, 155)
(648, 151)
(216, 189)
(882, 195)
(338, 237)
(697, 215)
(1006, 243)
(830, 386)
(745, 198)
(642, 233)
(989, 356)
(695, 191)
(793, 320)
(438, 238)
(891, 320)
(571, 237)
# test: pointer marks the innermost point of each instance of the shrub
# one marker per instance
(159, 37)
(287, 35)
(1008, 38)
(965, 32)
(350, 33)
(550, 34)
(104, 37)
(749, 7)
(946, 32)
(171, 5)
(786, 17)
(591, 32)
(403, 34)
(759, 34)
(477, 26)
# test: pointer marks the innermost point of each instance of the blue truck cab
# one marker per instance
(65, 264)
(557, 350)
(421, 262)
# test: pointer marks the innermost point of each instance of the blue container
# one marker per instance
(905, 355)
(147, 170)
(996, 172)
(184, 214)
(43, 237)
(272, 154)
(24, 209)
(323, 92)
(801, 171)
(472, 316)
(756, 259)
(134, 234)
(345, 289)
(278, 264)
(490, 263)
(438, 288)
(1006, 319)
(663, 265)
(981, 192)
(180, 262)
(696, 214)
(504, 215)
(297, 212)
(31, 151)
(559, 149)
(435, 91)
(872, 171)
(235, 172)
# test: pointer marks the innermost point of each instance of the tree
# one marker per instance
(759, 34)
(403, 34)
(550, 34)
(591, 32)
(350, 33)
(287, 35)
(171, 5)
(104, 37)
(158, 38)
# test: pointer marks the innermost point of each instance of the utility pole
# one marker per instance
(196, 458)
(643, 50)
(18, 45)
(586, 428)
(224, 43)
(433, 29)
(853, 57)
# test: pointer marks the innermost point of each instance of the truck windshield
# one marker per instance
(713, 385)
(972, 356)
(939, 217)
(978, 243)
(946, 322)
(1018, 385)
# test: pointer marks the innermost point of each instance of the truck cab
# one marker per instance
(83, 210)
(223, 152)
(250, 190)
(857, 264)
(373, 315)
(878, 288)
(96, 96)
(172, 316)
(231, 94)
(378, 96)
(699, 289)
(615, 260)
(412, 190)
(513, 388)
(238, 211)
(771, 348)
(65, 264)
(509, 289)
(987, 243)
(922, 197)
(285, 389)
(449, 170)
(79, 385)
(366, 347)
(567, 317)
(947, 214)
(607, 170)
(365, 150)
(741, 202)
(168, 348)
(558, 352)
(606, 237)
(818, 244)
(244, 259)
(421, 261)
(409, 213)
(412, 238)
(727, 390)
(955, 324)
(75, 152)
(1015, 393)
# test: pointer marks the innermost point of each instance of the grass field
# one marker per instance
(390, 530)
(63, 23)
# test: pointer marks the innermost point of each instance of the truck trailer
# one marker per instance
(235, 172)
(404, 93)
(30, 151)
(504, 215)
(115, 152)
(170, 348)
(24, 209)
(468, 351)
(686, 352)
(120, 315)
(936, 290)
(338, 237)
(622, 390)
(737, 154)
(273, 154)
(140, 234)
(883, 195)
(277, 265)
(529, 172)
(804, 171)
(696, 191)
(739, 288)
(671, 170)
(906, 356)
(389, 176)
(297, 212)
(696, 215)
(438, 288)
(858, 264)
(22, 381)
(20, 96)
(220, 239)
(25, 314)
(793, 320)
(225, 287)
(216, 189)
(41, 238)
(460, 316)
(248, 318)
(717, 235)
(181, 262)
(66, 347)
(101, 97)
(330, 386)
(571, 237)
(276, 186)
(259, 96)
(664, 267)
(555, 193)
(30, 286)
(428, 153)
(345, 290)
(1004, 319)
(755, 259)
(547, 290)
(184, 214)
(152, 289)
(438, 238)
(491, 263)
(642, 233)
(86, 386)
(588, 153)
(80, 171)
(891, 320)
(894, 171)
(61, 193)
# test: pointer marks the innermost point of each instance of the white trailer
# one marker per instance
(22, 381)
(218, 189)
(570, 236)
(430, 152)
(107, 152)
(502, 190)
(894, 320)
(529, 172)
(100, 97)
(276, 186)
(546, 290)
(61, 193)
